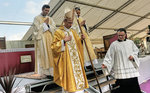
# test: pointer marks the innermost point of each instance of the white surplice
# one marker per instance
(117, 59)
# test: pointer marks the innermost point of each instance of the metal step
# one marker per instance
(109, 91)
(90, 72)
(92, 90)
(99, 77)
(89, 90)
(44, 85)
(112, 81)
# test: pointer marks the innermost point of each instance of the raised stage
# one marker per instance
(40, 84)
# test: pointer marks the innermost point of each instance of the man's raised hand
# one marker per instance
(67, 38)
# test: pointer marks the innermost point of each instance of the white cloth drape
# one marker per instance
(117, 59)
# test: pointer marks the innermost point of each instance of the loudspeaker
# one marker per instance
(149, 27)
(147, 39)
(148, 30)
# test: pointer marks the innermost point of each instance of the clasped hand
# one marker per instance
(67, 38)
(46, 21)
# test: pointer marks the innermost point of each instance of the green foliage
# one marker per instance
(137, 41)
(8, 80)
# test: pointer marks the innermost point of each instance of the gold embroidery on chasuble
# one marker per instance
(76, 64)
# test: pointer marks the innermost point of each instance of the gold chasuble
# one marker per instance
(68, 62)
(43, 40)
(87, 40)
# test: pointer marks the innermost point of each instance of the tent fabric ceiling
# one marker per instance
(138, 7)
(134, 15)
(141, 24)
(103, 32)
(100, 34)
(119, 20)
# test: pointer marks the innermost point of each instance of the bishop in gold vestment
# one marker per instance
(68, 59)
(43, 35)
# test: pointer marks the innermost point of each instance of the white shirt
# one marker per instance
(117, 59)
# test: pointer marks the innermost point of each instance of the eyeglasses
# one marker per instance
(121, 35)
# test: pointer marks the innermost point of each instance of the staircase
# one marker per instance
(103, 81)
(48, 86)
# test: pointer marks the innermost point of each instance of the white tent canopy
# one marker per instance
(105, 16)
(134, 15)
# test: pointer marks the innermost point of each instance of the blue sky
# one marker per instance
(18, 10)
